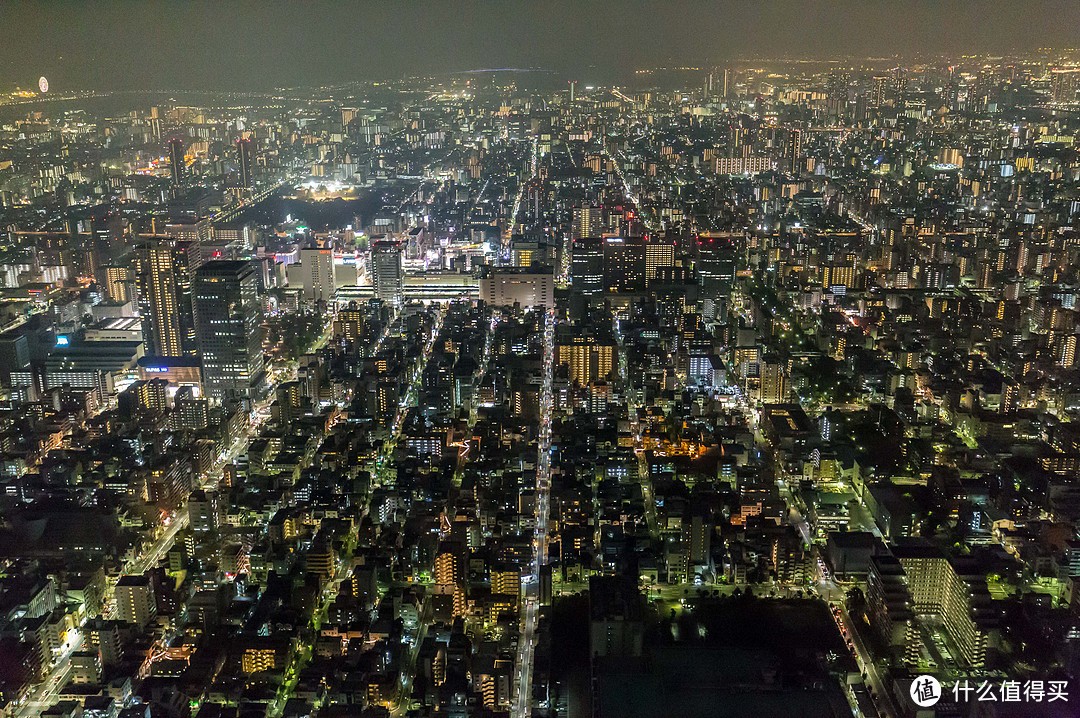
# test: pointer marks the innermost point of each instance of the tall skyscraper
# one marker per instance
(836, 94)
(386, 274)
(176, 161)
(165, 267)
(794, 148)
(878, 90)
(229, 318)
(900, 83)
(716, 265)
(1064, 84)
(245, 155)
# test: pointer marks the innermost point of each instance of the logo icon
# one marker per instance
(925, 691)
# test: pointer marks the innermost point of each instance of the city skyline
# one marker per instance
(237, 46)
(547, 360)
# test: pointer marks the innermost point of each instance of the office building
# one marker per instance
(191, 412)
(229, 318)
(164, 270)
(659, 254)
(315, 274)
(587, 266)
(624, 264)
(506, 286)
(717, 261)
(386, 272)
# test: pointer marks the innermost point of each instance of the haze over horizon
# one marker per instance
(256, 46)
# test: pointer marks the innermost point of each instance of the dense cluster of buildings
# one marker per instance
(749, 386)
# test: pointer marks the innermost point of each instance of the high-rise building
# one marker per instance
(317, 273)
(588, 221)
(587, 266)
(836, 94)
(888, 606)
(450, 564)
(624, 264)
(587, 357)
(164, 270)
(506, 580)
(1066, 356)
(386, 274)
(1064, 84)
(245, 157)
(878, 89)
(157, 295)
(900, 83)
(794, 148)
(116, 283)
(700, 530)
(774, 383)
(717, 263)
(954, 590)
(176, 161)
(739, 142)
(659, 253)
(229, 320)
(204, 511)
(192, 412)
(135, 600)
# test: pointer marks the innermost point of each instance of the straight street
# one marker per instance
(523, 701)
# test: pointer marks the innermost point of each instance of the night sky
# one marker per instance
(158, 44)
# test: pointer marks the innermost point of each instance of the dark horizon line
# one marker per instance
(705, 64)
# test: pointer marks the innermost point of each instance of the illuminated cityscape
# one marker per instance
(704, 382)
